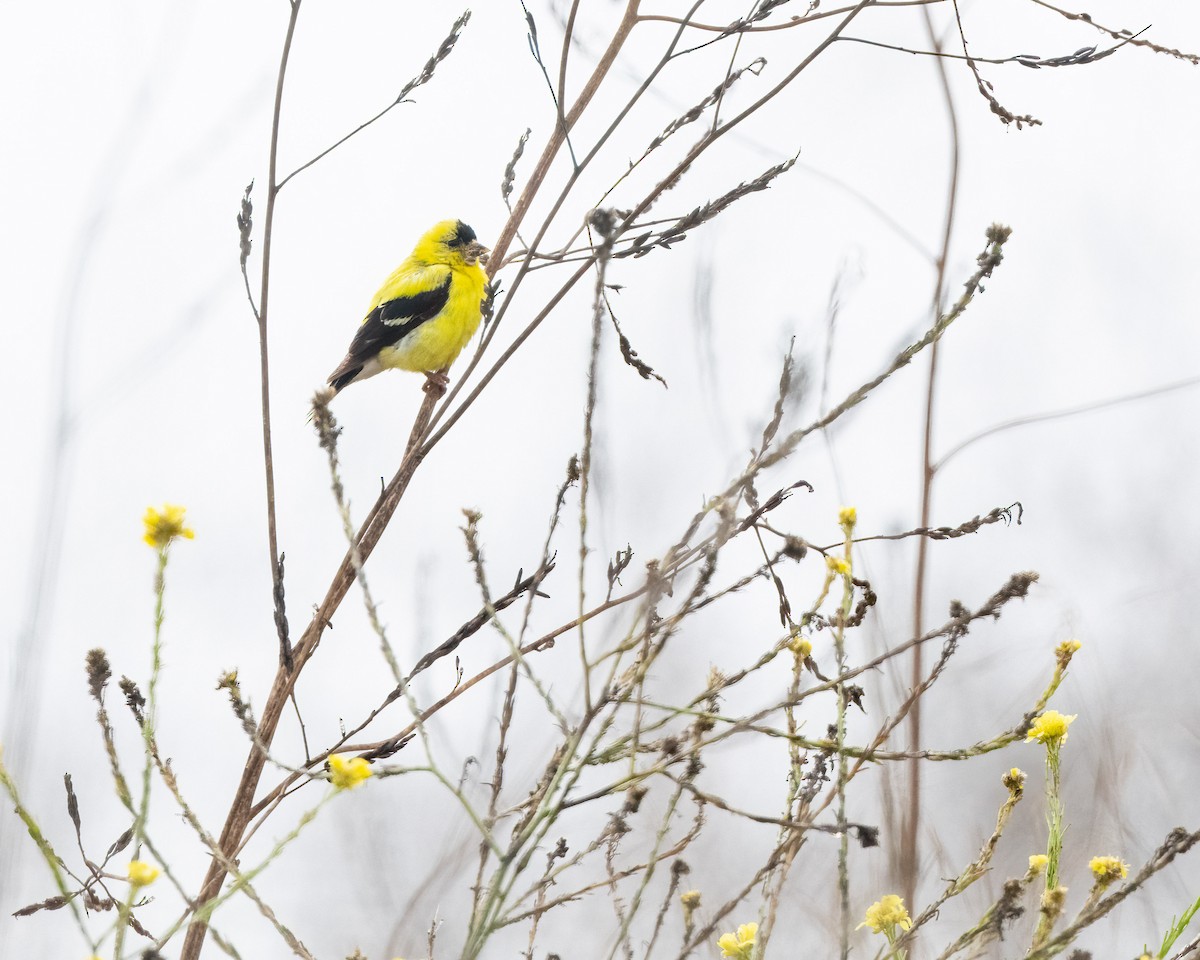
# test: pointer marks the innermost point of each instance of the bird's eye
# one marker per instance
(463, 234)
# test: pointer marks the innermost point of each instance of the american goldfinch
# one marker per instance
(425, 312)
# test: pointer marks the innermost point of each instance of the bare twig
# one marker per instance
(909, 865)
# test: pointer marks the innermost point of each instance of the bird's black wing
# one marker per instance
(387, 325)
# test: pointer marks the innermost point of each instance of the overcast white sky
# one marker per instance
(131, 359)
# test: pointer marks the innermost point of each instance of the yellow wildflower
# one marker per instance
(348, 774)
(691, 903)
(142, 874)
(740, 944)
(847, 518)
(163, 526)
(885, 915)
(801, 647)
(1038, 863)
(1107, 870)
(1050, 728)
(1065, 650)
(837, 566)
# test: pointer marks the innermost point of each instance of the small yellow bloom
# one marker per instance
(801, 647)
(348, 774)
(142, 874)
(690, 899)
(847, 518)
(1050, 728)
(740, 944)
(163, 526)
(1107, 870)
(1065, 650)
(1037, 863)
(885, 915)
(837, 566)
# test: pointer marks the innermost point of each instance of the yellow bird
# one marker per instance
(425, 312)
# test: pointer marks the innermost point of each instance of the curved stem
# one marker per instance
(1061, 414)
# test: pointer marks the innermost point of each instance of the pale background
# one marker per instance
(131, 359)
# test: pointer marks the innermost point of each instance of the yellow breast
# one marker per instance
(437, 343)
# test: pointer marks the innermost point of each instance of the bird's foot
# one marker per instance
(436, 382)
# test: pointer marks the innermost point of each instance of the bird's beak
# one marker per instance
(476, 252)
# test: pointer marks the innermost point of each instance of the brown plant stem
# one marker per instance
(810, 17)
(263, 359)
(194, 940)
(242, 805)
(568, 33)
(559, 136)
(911, 824)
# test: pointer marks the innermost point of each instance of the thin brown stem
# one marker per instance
(241, 808)
(568, 33)
(911, 827)
(559, 136)
(194, 940)
(1120, 34)
(787, 25)
(264, 363)
(1061, 414)
(328, 150)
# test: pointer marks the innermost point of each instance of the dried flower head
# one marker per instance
(847, 518)
(1053, 902)
(99, 672)
(1014, 780)
(1050, 728)
(740, 944)
(165, 525)
(348, 774)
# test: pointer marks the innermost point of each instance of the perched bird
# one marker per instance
(425, 312)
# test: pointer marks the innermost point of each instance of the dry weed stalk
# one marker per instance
(628, 745)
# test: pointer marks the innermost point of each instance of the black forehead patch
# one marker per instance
(462, 235)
